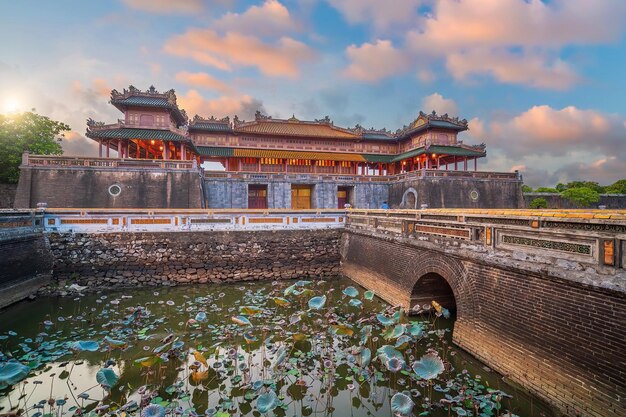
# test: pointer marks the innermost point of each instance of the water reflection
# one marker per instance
(284, 348)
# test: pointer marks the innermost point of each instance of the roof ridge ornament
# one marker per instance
(260, 116)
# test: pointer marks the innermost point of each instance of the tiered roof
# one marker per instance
(133, 97)
(266, 125)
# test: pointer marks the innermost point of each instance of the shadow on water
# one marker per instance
(284, 348)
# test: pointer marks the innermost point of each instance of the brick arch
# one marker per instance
(427, 263)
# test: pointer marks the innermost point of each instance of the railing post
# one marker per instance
(25, 157)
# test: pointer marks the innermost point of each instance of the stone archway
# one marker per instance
(409, 199)
(440, 277)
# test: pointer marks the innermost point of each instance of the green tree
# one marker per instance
(586, 184)
(581, 196)
(618, 187)
(546, 190)
(27, 131)
(560, 187)
(539, 203)
(527, 189)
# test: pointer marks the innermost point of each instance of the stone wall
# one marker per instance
(556, 201)
(233, 193)
(562, 340)
(7, 195)
(89, 188)
(25, 264)
(456, 193)
(130, 259)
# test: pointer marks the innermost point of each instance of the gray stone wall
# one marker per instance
(89, 188)
(25, 264)
(7, 195)
(131, 259)
(556, 201)
(459, 193)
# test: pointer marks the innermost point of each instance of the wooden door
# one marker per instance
(301, 197)
(257, 196)
(342, 198)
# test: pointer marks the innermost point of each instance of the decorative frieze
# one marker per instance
(571, 247)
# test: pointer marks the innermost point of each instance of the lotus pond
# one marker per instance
(306, 348)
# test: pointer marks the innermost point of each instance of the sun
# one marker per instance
(11, 105)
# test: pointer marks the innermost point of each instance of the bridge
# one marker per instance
(539, 295)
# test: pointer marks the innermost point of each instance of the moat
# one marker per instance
(286, 348)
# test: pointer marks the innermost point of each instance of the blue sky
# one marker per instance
(542, 82)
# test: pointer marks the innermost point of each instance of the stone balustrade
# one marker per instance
(56, 162)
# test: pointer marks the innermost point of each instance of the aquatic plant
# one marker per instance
(401, 404)
(429, 366)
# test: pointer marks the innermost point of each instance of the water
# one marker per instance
(191, 351)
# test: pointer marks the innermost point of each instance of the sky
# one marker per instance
(542, 83)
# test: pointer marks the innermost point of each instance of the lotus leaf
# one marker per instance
(153, 410)
(351, 292)
(201, 317)
(355, 302)
(429, 366)
(317, 303)
(401, 404)
(241, 320)
(267, 402)
(342, 329)
(88, 345)
(384, 320)
(12, 372)
(107, 378)
(250, 310)
(281, 302)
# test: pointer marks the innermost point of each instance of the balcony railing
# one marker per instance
(281, 176)
(85, 162)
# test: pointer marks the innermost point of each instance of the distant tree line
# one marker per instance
(582, 193)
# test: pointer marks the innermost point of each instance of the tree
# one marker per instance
(539, 203)
(527, 189)
(27, 131)
(546, 190)
(581, 196)
(618, 187)
(586, 184)
(560, 187)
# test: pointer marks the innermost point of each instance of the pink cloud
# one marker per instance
(201, 79)
(383, 15)
(530, 69)
(270, 19)
(372, 62)
(281, 58)
(440, 104)
(194, 103)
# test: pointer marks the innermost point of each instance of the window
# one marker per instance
(146, 120)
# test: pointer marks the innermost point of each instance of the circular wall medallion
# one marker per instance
(115, 190)
(474, 195)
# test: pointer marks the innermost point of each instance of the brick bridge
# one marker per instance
(540, 296)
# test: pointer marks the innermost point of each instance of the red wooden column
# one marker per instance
(100, 148)
(108, 146)
(475, 164)
(465, 163)
(456, 167)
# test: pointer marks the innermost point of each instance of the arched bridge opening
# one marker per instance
(432, 287)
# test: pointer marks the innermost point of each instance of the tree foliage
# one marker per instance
(27, 131)
(618, 187)
(527, 189)
(585, 184)
(546, 190)
(581, 196)
(539, 203)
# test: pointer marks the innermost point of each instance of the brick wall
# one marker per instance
(89, 188)
(561, 339)
(611, 201)
(133, 259)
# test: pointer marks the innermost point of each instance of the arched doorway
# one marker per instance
(409, 199)
(433, 287)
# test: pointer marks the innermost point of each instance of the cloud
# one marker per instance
(543, 129)
(280, 58)
(270, 19)
(382, 14)
(202, 80)
(166, 6)
(557, 144)
(440, 104)
(511, 41)
(530, 69)
(372, 62)
(75, 144)
(244, 106)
